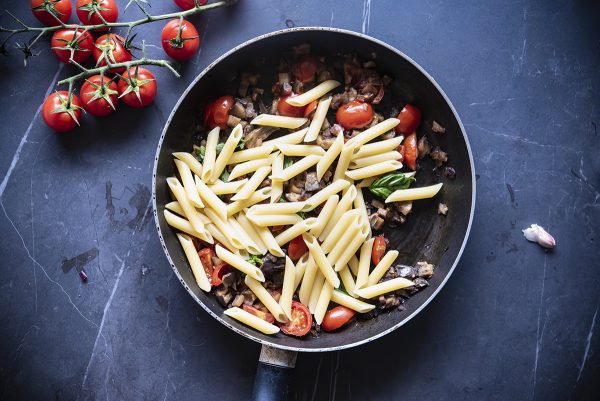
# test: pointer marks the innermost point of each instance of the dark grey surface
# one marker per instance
(514, 322)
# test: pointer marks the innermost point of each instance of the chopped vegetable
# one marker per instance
(300, 323)
(378, 251)
(389, 183)
(255, 260)
(536, 233)
(437, 128)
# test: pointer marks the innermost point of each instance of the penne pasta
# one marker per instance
(345, 224)
(343, 206)
(251, 246)
(175, 207)
(414, 193)
(318, 119)
(250, 187)
(300, 150)
(323, 302)
(220, 238)
(292, 139)
(315, 292)
(269, 240)
(210, 155)
(288, 287)
(315, 93)
(300, 269)
(371, 133)
(251, 231)
(232, 236)
(276, 208)
(364, 264)
(266, 298)
(250, 167)
(322, 263)
(242, 265)
(212, 200)
(189, 210)
(346, 300)
(330, 156)
(369, 160)
(268, 220)
(382, 267)
(352, 247)
(353, 265)
(188, 183)
(230, 144)
(300, 166)
(359, 204)
(183, 225)
(224, 188)
(325, 215)
(324, 194)
(194, 261)
(258, 196)
(295, 230)
(271, 120)
(374, 170)
(376, 290)
(277, 185)
(343, 163)
(347, 280)
(250, 320)
(191, 161)
(259, 152)
(376, 148)
(308, 280)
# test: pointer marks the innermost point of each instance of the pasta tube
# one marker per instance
(325, 215)
(271, 120)
(223, 188)
(267, 238)
(382, 267)
(293, 138)
(194, 260)
(359, 204)
(376, 148)
(242, 265)
(369, 160)
(277, 185)
(371, 133)
(318, 119)
(231, 235)
(342, 207)
(230, 144)
(343, 162)
(316, 292)
(295, 230)
(324, 194)
(267, 299)
(259, 152)
(250, 320)
(300, 150)
(323, 302)
(308, 280)
(287, 289)
(414, 193)
(353, 265)
(352, 247)
(322, 89)
(322, 263)
(210, 154)
(375, 169)
(276, 208)
(327, 160)
(382, 288)
(183, 225)
(189, 210)
(256, 197)
(300, 166)
(220, 238)
(175, 207)
(250, 187)
(300, 269)
(250, 167)
(251, 246)
(191, 161)
(348, 222)
(347, 280)
(212, 200)
(364, 263)
(346, 300)
(188, 183)
(250, 229)
(268, 220)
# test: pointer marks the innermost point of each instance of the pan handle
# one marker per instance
(274, 374)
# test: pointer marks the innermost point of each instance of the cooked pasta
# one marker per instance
(332, 153)
(210, 154)
(343, 162)
(269, 220)
(300, 166)
(375, 169)
(241, 156)
(277, 185)
(343, 206)
(317, 122)
(315, 93)
(224, 188)
(323, 302)
(292, 139)
(188, 183)
(364, 263)
(183, 225)
(189, 210)
(376, 290)
(230, 144)
(300, 150)
(369, 160)
(212, 200)
(253, 321)
(194, 261)
(250, 166)
(414, 193)
(321, 260)
(267, 299)
(376, 148)
(372, 133)
(258, 196)
(324, 194)
(308, 280)
(248, 189)
(191, 161)
(349, 302)
(272, 120)
(382, 267)
(288, 287)
(325, 215)
(295, 230)
(239, 263)
(277, 208)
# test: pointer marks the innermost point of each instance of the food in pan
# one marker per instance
(278, 210)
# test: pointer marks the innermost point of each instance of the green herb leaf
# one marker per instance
(255, 260)
(199, 152)
(220, 147)
(302, 214)
(224, 176)
(389, 183)
(287, 162)
(241, 144)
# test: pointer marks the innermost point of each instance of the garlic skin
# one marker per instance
(536, 233)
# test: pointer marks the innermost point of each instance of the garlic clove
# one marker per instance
(536, 233)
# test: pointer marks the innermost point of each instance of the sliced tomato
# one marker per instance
(286, 109)
(410, 118)
(336, 318)
(297, 248)
(379, 246)
(300, 323)
(266, 316)
(219, 271)
(206, 255)
(409, 151)
(310, 108)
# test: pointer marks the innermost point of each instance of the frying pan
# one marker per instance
(425, 235)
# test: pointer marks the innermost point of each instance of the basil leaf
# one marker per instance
(255, 260)
(224, 176)
(199, 152)
(220, 147)
(287, 162)
(384, 186)
(242, 144)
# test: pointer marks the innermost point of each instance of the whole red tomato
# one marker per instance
(94, 12)
(409, 151)
(47, 11)
(410, 118)
(180, 39)
(354, 114)
(306, 67)
(99, 95)
(111, 48)
(137, 87)
(61, 111)
(336, 318)
(217, 112)
(286, 109)
(189, 4)
(70, 41)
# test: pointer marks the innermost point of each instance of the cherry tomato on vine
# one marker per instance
(336, 318)
(217, 112)
(180, 40)
(94, 12)
(189, 4)
(409, 151)
(61, 111)
(378, 251)
(305, 68)
(46, 10)
(286, 109)
(410, 118)
(99, 95)
(354, 114)
(111, 48)
(137, 87)
(70, 41)
(300, 323)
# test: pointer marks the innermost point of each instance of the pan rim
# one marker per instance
(473, 186)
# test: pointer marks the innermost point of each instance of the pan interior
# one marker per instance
(425, 235)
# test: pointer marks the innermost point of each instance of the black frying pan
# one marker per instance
(426, 235)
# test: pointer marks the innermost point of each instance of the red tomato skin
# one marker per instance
(219, 271)
(189, 46)
(300, 315)
(336, 318)
(306, 67)
(60, 122)
(378, 251)
(63, 7)
(206, 255)
(266, 316)
(354, 115)
(217, 112)
(286, 109)
(189, 4)
(110, 15)
(410, 118)
(297, 248)
(99, 107)
(147, 91)
(410, 151)
(310, 108)
(121, 55)
(85, 42)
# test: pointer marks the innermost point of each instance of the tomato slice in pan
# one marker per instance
(300, 323)
(336, 318)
